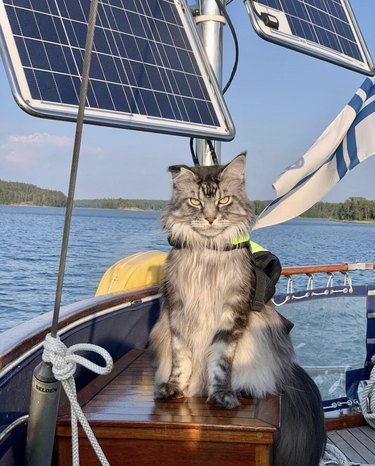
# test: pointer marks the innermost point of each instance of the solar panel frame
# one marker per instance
(203, 114)
(289, 13)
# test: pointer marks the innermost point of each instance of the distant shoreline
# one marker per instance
(138, 209)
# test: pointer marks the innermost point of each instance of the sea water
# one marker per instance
(327, 332)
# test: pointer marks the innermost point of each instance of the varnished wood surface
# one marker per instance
(126, 419)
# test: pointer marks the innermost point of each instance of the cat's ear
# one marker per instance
(236, 168)
(181, 172)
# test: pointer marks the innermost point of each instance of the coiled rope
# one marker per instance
(64, 362)
(368, 398)
(333, 457)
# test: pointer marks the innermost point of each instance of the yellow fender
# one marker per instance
(133, 273)
(139, 271)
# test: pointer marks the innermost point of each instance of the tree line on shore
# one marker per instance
(353, 209)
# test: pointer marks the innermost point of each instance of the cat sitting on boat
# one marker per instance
(208, 340)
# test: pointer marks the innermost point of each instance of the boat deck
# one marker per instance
(130, 424)
(357, 443)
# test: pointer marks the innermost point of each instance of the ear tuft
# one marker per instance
(181, 172)
(236, 168)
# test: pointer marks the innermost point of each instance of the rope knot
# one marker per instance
(56, 353)
(64, 361)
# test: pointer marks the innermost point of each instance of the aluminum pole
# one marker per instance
(45, 390)
(211, 22)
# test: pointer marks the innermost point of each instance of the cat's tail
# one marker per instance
(302, 436)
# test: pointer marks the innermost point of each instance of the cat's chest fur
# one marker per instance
(203, 281)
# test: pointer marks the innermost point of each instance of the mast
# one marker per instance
(212, 23)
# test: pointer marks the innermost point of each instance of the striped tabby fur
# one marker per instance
(207, 340)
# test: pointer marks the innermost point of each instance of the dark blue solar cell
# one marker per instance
(130, 47)
(185, 58)
(163, 31)
(121, 70)
(70, 61)
(77, 10)
(33, 86)
(130, 5)
(11, 12)
(37, 54)
(109, 68)
(80, 31)
(174, 61)
(206, 112)
(49, 91)
(136, 103)
(102, 95)
(175, 108)
(121, 22)
(181, 106)
(140, 75)
(172, 81)
(24, 55)
(56, 58)
(196, 87)
(101, 42)
(333, 41)
(44, 6)
(297, 9)
(136, 24)
(119, 98)
(96, 71)
(46, 27)
(192, 110)
(164, 105)
(154, 76)
(28, 25)
(67, 90)
(146, 51)
(21, 3)
(78, 59)
(272, 3)
(183, 85)
(60, 31)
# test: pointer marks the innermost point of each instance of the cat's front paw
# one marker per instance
(168, 391)
(224, 399)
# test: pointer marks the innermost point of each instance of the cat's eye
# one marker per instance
(225, 200)
(194, 202)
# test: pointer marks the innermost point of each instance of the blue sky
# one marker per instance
(280, 102)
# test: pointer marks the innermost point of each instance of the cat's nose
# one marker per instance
(210, 220)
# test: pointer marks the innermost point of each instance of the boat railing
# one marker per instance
(293, 275)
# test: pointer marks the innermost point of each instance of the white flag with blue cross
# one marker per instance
(348, 141)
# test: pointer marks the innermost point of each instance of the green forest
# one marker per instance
(12, 192)
(353, 209)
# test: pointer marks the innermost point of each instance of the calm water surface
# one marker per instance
(30, 242)
(327, 332)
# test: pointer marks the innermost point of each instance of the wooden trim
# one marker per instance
(320, 269)
(344, 421)
(15, 342)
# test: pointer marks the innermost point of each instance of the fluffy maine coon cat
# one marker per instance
(208, 341)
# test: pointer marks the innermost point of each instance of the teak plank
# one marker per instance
(129, 423)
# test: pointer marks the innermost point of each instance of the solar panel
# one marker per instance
(326, 29)
(148, 68)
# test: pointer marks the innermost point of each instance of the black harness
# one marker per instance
(267, 270)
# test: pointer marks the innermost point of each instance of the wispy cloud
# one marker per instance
(37, 139)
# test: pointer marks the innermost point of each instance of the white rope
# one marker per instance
(333, 457)
(368, 398)
(64, 362)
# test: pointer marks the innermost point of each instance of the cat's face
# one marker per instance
(209, 204)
